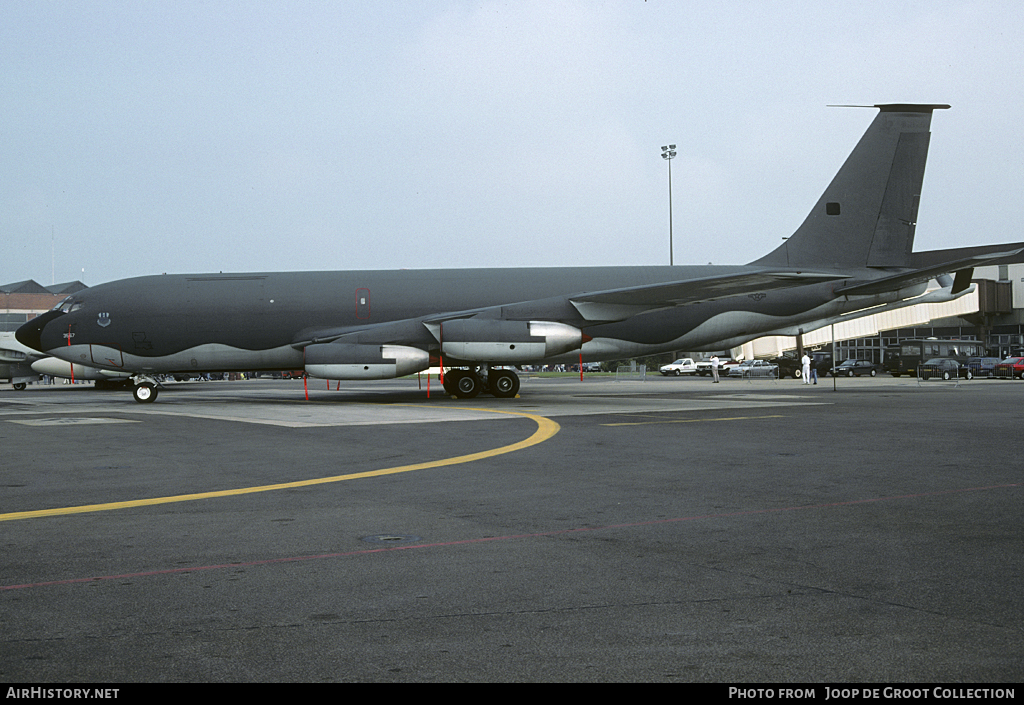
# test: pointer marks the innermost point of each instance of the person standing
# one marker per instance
(714, 368)
(805, 363)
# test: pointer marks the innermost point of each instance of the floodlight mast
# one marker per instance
(668, 153)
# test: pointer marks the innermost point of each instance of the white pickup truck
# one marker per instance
(682, 366)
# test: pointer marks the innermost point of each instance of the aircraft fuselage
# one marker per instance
(215, 322)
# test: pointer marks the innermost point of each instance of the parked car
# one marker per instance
(789, 366)
(724, 365)
(754, 368)
(682, 366)
(728, 365)
(1010, 368)
(591, 366)
(822, 363)
(857, 368)
(944, 367)
(983, 366)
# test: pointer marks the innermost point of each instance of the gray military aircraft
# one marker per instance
(853, 252)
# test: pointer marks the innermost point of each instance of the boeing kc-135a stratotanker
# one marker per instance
(853, 252)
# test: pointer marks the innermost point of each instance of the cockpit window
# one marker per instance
(67, 305)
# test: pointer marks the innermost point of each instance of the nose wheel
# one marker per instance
(145, 391)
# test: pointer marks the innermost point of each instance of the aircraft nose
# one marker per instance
(31, 333)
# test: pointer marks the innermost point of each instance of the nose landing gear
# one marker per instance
(145, 389)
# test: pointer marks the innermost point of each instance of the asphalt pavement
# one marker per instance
(595, 531)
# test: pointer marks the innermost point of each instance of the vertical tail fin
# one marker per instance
(867, 215)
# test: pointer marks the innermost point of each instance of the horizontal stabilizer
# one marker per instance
(618, 304)
(926, 258)
(920, 276)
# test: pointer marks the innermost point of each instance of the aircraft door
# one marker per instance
(105, 355)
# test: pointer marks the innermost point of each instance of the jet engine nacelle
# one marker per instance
(485, 340)
(62, 368)
(352, 361)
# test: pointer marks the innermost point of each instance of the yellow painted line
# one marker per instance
(730, 418)
(546, 428)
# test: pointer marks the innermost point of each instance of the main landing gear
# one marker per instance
(466, 384)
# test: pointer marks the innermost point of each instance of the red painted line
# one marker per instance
(511, 537)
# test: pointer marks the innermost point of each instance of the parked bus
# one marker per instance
(904, 358)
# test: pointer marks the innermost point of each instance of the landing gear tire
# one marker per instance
(449, 382)
(144, 393)
(504, 384)
(465, 384)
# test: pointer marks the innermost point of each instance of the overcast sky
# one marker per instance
(184, 136)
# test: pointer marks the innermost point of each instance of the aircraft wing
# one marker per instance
(964, 268)
(618, 304)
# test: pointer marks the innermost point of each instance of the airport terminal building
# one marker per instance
(993, 313)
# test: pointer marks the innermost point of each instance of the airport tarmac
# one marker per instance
(665, 530)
